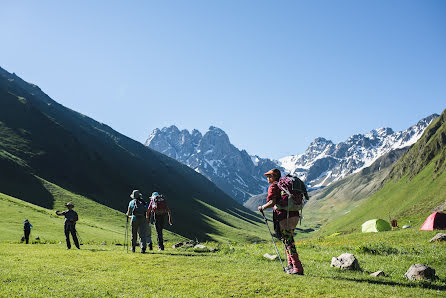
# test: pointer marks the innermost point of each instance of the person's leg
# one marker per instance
(67, 235)
(142, 228)
(149, 236)
(27, 236)
(288, 241)
(134, 233)
(74, 235)
(159, 225)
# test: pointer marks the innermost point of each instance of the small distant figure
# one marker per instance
(137, 210)
(71, 218)
(158, 211)
(27, 226)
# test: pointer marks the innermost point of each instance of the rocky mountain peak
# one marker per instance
(323, 162)
(213, 155)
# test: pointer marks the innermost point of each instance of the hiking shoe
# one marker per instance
(288, 268)
(150, 246)
(294, 271)
(133, 249)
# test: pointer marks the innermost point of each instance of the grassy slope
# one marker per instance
(39, 137)
(415, 186)
(97, 223)
(235, 270)
(408, 201)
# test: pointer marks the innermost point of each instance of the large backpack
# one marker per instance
(295, 191)
(159, 205)
(139, 208)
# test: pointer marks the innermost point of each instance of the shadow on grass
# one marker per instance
(181, 254)
(421, 284)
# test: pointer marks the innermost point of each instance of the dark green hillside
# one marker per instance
(415, 187)
(41, 138)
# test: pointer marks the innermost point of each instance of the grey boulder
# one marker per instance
(420, 272)
(439, 237)
(345, 261)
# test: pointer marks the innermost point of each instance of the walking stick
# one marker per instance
(126, 234)
(272, 237)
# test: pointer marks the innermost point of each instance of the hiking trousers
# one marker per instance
(139, 227)
(27, 232)
(160, 220)
(71, 228)
(149, 233)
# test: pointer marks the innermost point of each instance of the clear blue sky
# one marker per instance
(253, 68)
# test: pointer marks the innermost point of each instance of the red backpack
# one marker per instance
(159, 206)
(294, 192)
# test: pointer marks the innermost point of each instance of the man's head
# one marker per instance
(273, 175)
(69, 205)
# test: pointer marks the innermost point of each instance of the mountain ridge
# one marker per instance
(42, 139)
(241, 175)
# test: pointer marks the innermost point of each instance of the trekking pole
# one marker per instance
(79, 238)
(126, 243)
(272, 237)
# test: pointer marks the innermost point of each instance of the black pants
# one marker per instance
(27, 232)
(71, 228)
(160, 220)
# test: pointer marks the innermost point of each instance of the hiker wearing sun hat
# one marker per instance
(137, 210)
(284, 221)
(71, 218)
(158, 211)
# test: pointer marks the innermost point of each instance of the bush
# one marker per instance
(377, 249)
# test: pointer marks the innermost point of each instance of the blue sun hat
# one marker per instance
(154, 195)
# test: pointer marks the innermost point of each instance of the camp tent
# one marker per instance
(435, 221)
(376, 225)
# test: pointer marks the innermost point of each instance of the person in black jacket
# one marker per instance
(70, 224)
(27, 226)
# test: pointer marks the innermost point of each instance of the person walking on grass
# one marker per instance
(286, 220)
(27, 226)
(71, 218)
(159, 211)
(138, 211)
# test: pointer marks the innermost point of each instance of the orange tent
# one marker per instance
(435, 221)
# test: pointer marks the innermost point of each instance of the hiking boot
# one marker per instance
(288, 268)
(133, 249)
(143, 251)
(294, 271)
(150, 246)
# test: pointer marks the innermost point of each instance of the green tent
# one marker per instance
(376, 225)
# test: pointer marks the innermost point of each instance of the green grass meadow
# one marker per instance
(236, 269)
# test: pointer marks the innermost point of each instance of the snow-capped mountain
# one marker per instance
(241, 175)
(325, 162)
(212, 154)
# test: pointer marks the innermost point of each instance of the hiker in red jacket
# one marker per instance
(286, 220)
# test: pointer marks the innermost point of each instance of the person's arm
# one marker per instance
(59, 213)
(268, 204)
(128, 212)
(273, 192)
(170, 216)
